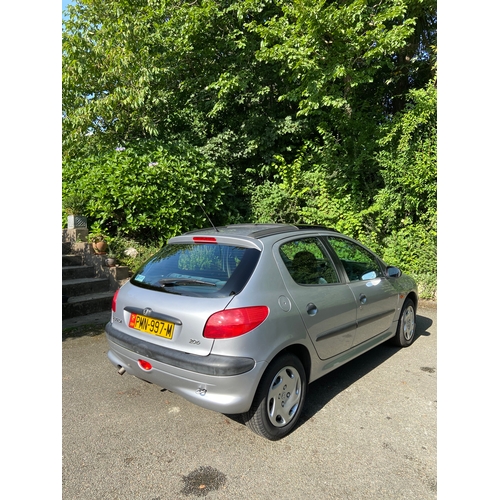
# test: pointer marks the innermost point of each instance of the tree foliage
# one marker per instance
(320, 111)
(148, 190)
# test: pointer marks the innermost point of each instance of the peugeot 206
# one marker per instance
(240, 319)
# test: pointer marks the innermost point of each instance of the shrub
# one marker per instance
(149, 191)
(131, 253)
(414, 250)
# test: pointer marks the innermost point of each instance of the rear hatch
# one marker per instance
(169, 300)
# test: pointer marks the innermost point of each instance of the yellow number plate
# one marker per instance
(151, 325)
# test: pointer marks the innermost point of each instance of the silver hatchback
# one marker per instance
(240, 319)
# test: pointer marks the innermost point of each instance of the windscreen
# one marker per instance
(210, 270)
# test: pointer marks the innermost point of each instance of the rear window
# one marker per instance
(198, 269)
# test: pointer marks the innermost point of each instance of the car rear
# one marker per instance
(166, 319)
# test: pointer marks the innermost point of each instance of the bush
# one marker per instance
(412, 246)
(414, 250)
(131, 253)
(149, 191)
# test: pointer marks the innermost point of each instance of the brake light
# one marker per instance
(204, 239)
(234, 322)
(113, 302)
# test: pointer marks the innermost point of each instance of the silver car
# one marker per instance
(240, 319)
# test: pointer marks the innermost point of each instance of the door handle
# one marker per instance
(362, 299)
(311, 309)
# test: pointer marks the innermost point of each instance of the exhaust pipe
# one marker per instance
(121, 371)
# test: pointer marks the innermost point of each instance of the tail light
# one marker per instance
(113, 302)
(234, 322)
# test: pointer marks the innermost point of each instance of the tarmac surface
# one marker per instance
(368, 431)
(100, 318)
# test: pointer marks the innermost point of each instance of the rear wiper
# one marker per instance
(183, 281)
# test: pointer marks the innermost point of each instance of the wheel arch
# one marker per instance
(302, 353)
(413, 296)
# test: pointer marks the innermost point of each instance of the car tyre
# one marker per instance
(407, 325)
(279, 399)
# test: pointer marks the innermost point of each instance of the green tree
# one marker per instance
(319, 111)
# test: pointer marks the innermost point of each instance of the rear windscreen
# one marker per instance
(198, 269)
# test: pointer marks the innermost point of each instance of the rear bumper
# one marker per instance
(221, 366)
(220, 383)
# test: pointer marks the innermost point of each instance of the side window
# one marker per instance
(307, 263)
(358, 263)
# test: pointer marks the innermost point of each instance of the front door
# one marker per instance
(377, 300)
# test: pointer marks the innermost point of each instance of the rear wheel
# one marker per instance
(279, 399)
(407, 325)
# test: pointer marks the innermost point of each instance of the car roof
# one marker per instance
(258, 230)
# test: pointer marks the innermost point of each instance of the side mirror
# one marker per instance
(393, 272)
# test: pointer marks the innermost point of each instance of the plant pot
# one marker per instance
(100, 247)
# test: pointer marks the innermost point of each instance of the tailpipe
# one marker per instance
(121, 371)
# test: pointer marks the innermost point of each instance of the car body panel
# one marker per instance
(227, 394)
(278, 330)
(187, 335)
(377, 302)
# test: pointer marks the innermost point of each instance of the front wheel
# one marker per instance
(279, 399)
(405, 334)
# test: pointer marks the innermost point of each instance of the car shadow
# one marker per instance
(323, 390)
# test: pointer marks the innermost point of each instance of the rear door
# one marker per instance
(326, 303)
(376, 299)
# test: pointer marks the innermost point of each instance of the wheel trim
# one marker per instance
(408, 323)
(284, 396)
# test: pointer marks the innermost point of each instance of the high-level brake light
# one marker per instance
(204, 239)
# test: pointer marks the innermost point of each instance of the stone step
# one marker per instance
(66, 247)
(86, 297)
(84, 286)
(84, 305)
(75, 272)
(72, 260)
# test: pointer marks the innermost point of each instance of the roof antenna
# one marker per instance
(207, 217)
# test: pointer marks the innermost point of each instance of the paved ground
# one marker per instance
(91, 319)
(368, 432)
